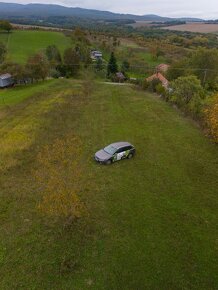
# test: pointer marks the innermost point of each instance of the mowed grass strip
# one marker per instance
(23, 43)
(13, 96)
(152, 220)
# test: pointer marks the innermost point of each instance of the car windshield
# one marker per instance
(110, 149)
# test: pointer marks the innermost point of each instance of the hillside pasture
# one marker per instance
(139, 57)
(151, 221)
(195, 27)
(23, 43)
(12, 96)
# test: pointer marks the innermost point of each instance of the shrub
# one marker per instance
(160, 90)
(211, 118)
(187, 93)
(153, 85)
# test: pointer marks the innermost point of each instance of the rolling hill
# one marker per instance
(8, 10)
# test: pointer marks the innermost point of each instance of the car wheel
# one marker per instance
(109, 162)
(130, 156)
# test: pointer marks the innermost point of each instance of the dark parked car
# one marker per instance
(115, 152)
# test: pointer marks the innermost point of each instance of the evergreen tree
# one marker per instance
(112, 65)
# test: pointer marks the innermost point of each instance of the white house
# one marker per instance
(96, 54)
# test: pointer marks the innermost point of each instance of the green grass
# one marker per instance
(12, 96)
(22, 44)
(152, 220)
(147, 57)
(4, 37)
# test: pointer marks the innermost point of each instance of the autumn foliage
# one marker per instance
(58, 174)
(211, 116)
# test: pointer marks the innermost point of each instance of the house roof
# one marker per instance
(120, 75)
(160, 77)
(96, 52)
(5, 76)
(163, 67)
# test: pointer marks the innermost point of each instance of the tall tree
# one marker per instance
(3, 51)
(53, 55)
(112, 66)
(205, 63)
(5, 25)
(37, 66)
(187, 93)
(72, 61)
(16, 70)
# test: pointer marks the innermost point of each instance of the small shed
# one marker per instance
(6, 81)
(119, 77)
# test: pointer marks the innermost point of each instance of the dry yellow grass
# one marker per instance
(195, 27)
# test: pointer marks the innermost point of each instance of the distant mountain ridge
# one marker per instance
(8, 10)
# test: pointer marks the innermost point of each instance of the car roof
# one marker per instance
(118, 145)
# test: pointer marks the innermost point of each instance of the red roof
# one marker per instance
(160, 77)
(163, 67)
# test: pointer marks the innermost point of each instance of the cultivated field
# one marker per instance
(23, 43)
(195, 27)
(141, 24)
(151, 221)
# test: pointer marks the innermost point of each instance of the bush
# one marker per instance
(153, 85)
(160, 90)
(211, 118)
(187, 93)
(54, 73)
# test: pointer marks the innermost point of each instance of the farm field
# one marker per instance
(23, 43)
(151, 221)
(141, 24)
(195, 27)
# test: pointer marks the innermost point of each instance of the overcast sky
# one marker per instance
(173, 8)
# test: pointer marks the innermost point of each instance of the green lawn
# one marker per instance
(12, 96)
(152, 220)
(22, 44)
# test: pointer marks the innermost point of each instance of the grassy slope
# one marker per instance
(138, 56)
(152, 220)
(12, 96)
(22, 44)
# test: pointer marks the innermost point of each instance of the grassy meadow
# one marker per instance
(23, 43)
(151, 221)
(20, 93)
